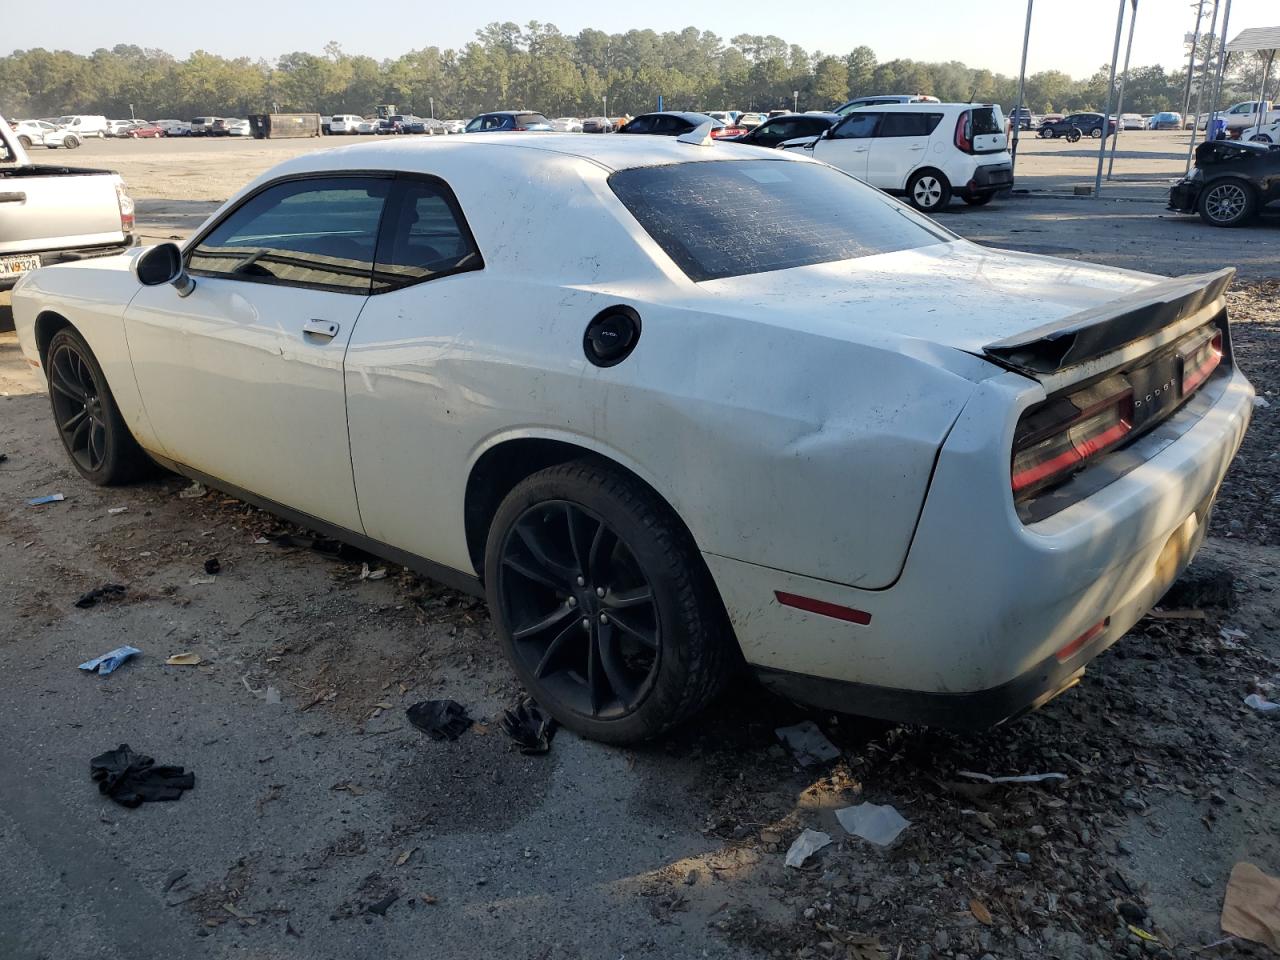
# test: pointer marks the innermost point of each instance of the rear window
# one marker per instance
(527, 118)
(987, 120)
(725, 218)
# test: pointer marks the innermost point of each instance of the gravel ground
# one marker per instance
(310, 811)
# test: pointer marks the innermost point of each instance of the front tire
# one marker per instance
(1048, 133)
(89, 423)
(71, 143)
(928, 191)
(1228, 202)
(603, 604)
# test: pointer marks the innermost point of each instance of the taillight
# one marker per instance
(125, 202)
(1199, 361)
(1054, 441)
(963, 140)
(520, 128)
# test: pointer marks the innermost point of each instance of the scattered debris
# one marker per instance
(980, 912)
(268, 694)
(108, 591)
(1262, 402)
(367, 574)
(109, 661)
(171, 878)
(808, 743)
(327, 546)
(1261, 704)
(199, 581)
(48, 498)
(1231, 637)
(350, 787)
(404, 857)
(116, 511)
(806, 845)
(529, 727)
(131, 779)
(213, 566)
(184, 660)
(3, 457)
(272, 794)
(197, 489)
(381, 907)
(440, 719)
(875, 823)
(1026, 778)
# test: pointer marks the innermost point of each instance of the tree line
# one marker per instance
(537, 67)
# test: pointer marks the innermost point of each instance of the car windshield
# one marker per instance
(726, 218)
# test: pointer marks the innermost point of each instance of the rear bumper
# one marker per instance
(989, 178)
(50, 257)
(981, 625)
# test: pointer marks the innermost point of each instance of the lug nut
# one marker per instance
(599, 591)
(586, 624)
(573, 601)
(582, 582)
(604, 618)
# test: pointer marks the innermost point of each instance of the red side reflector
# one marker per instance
(822, 607)
(1074, 647)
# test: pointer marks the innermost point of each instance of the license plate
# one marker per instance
(12, 266)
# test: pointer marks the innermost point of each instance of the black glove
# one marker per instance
(528, 726)
(131, 779)
(439, 719)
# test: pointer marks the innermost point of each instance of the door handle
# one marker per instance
(13, 197)
(321, 328)
(915, 148)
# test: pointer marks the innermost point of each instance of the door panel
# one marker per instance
(900, 146)
(849, 145)
(242, 379)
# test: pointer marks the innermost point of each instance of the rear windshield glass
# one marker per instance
(727, 218)
(531, 118)
(987, 120)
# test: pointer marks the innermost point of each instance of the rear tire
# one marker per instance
(928, 191)
(1228, 202)
(603, 604)
(88, 421)
(1260, 138)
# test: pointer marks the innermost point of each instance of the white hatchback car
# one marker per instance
(672, 405)
(925, 151)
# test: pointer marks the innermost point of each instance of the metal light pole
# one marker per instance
(1191, 61)
(1022, 81)
(1222, 66)
(432, 101)
(131, 116)
(1106, 114)
(1124, 82)
(1204, 76)
(795, 101)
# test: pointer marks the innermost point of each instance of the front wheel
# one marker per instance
(603, 604)
(71, 143)
(25, 141)
(928, 190)
(1048, 133)
(89, 423)
(1227, 203)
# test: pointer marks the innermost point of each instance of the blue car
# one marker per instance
(1167, 120)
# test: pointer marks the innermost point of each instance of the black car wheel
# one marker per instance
(1048, 133)
(603, 604)
(1260, 138)
(928, 190)
(1227, 202)
(1074, 135)
(93, 432)
(1096, 133)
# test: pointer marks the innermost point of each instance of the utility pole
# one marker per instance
(1222, 67)
(1124, 82)
(1191, 61)
(1106, 114)
(1204, 76)
(795, 101)
(1022, 81)
(432, 101)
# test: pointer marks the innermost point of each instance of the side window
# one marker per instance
(857, 126)
(640, 125)
(908, 124)
(313, 233)
(424, 236)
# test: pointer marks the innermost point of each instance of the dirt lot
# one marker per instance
(310, 810)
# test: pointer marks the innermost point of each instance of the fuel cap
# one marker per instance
(611, 335)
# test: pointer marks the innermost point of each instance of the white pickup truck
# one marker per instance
(50, 213)
(1242, 116)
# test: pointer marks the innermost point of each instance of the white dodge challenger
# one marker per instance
(672, 406)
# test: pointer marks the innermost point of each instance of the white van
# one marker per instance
(345, 123)
(85, 125)
(927, 151)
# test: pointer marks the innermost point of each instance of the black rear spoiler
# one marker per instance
(1099, 330)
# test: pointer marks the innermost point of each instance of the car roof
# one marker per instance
(683, 114)
(821, 115)
(432, 154)
(922, 106)
(507, 113)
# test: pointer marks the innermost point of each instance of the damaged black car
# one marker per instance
(1231, 182)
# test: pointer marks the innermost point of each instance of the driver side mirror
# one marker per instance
(163, 264)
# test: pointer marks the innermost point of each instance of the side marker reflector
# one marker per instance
(1075, 646)
(834, 610)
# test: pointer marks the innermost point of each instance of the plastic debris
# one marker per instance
(806, 845)
(808, 743)
(367, 574)
(439, 719)
(131, 779)
(108, 591)
(199, 581)
(1260, 703)
(529, 727)
(197, 489)
(1026, 778)
(875, 823)
(1261, 402)
(1251, 906)
(381, 907)
(116, 511)
(184, 660)
(213, 566)
(48, 498)
(266, 694)
(109, 661)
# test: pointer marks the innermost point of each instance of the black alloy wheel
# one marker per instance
(88, 420)
(584, 620)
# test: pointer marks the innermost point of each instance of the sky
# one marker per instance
(1075, 36)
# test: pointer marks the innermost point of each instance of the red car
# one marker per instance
(146, 130)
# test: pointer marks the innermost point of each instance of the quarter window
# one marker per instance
(424, 237)
(314, 233)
